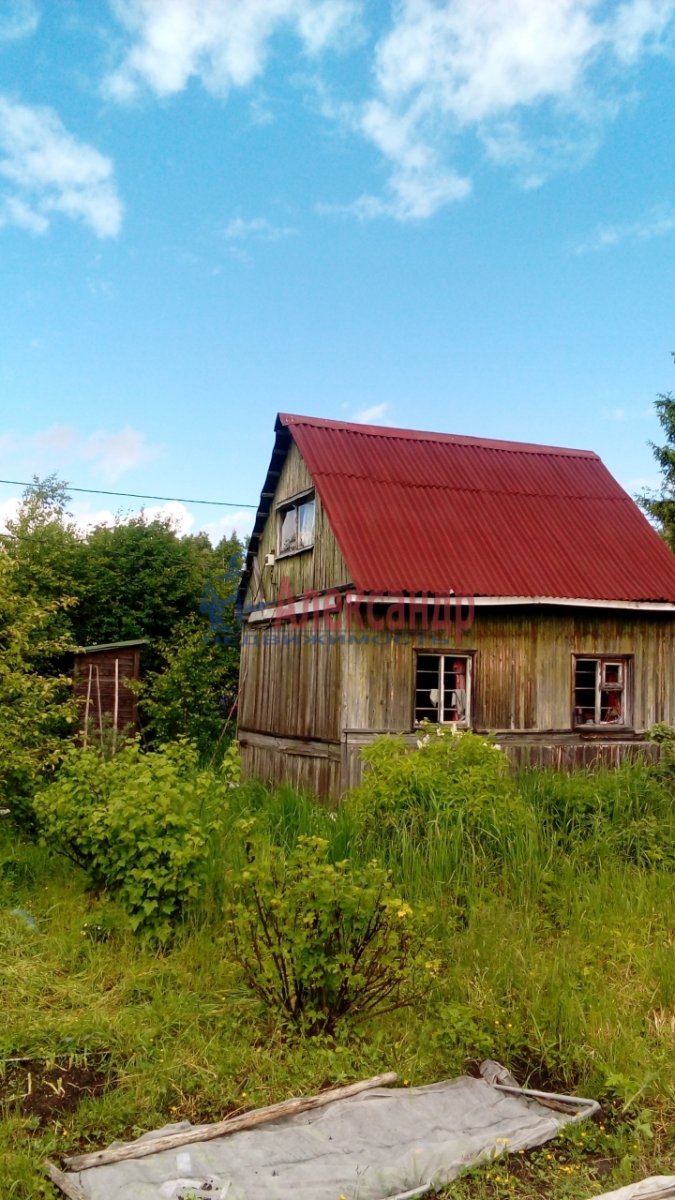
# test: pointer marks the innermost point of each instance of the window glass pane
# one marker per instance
(455, 689)
(306, 523)
(585, 680)
(289, 530)
(427, 693)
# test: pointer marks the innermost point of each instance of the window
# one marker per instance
(601, 691)
(443, 688)
(296, 525)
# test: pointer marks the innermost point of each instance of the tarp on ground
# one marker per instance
(657, 1188)
(384, 1143)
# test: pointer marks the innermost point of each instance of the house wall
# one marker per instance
(309, 570)
(312, 699)
(290, 707)
(522, 682)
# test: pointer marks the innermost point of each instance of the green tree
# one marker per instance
(139, 579)
(45, 550)
(660, 506)
(36, 709)
(192, 692)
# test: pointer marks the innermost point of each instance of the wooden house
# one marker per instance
(100, 685)
(395, 576)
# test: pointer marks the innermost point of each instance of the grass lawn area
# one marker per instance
(564, 972)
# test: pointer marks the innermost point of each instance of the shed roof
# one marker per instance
(433, 512)
(112, 646)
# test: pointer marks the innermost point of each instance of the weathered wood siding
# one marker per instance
(308, 570)
(290, 708)
(522, 679)
(313, 697)
(102, 664)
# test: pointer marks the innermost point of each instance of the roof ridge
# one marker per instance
(288, 420)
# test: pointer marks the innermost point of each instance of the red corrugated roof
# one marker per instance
(433, 512)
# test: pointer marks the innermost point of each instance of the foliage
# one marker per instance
(44, 550)
(36, 711)
(660, 506)
(139, 579)
(319, 941)
(451, 784)
(625, 812)
(571, 986)
(192, 693)
(138, 824)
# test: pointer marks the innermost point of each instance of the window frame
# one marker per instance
(625, 687)
(469, 657)
(294, 504)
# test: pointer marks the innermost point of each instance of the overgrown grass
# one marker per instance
(556, 957)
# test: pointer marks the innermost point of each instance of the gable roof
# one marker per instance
(433, 512)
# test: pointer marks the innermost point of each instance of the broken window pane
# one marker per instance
(599, 692)
(442, 688)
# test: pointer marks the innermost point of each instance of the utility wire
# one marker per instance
(135, 495)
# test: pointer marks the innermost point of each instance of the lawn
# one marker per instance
(553, 953)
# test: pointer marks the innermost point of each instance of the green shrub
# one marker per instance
(319, 941)
(138, 824)
(455, 785)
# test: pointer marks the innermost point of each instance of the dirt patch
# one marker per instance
(48, 1090)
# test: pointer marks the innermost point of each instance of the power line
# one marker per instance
(135, 495)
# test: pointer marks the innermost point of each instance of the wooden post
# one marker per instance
(86, 708)
(98, 698)
(116, 702)
(205, 1133)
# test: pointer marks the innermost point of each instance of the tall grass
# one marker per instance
(548, 901)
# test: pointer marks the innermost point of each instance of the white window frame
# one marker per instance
(295, 504)
(622, 686)
(444, 658)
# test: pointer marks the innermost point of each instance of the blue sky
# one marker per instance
(444, 214)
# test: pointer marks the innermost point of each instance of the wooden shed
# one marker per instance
(100, 685)
(395, 576)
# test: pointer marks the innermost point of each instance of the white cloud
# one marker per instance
(373, 415)
(656, 223)
(46, 170)
(19, 19)
(223, 43)
(239, 522)
(110, 454)
(532, 80)
(239, 230)
(8, 510)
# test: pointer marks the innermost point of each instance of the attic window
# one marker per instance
(601, 691)
(296, 525)
(443, 689)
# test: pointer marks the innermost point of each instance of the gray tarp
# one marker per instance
(381, 1144)
(656, 1188)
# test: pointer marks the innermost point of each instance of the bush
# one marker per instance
(138, 824)
(319, 941)
(458, 785)
(192, 693)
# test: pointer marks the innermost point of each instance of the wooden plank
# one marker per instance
(259, 1116)
(66, 1185)
(301, 747)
